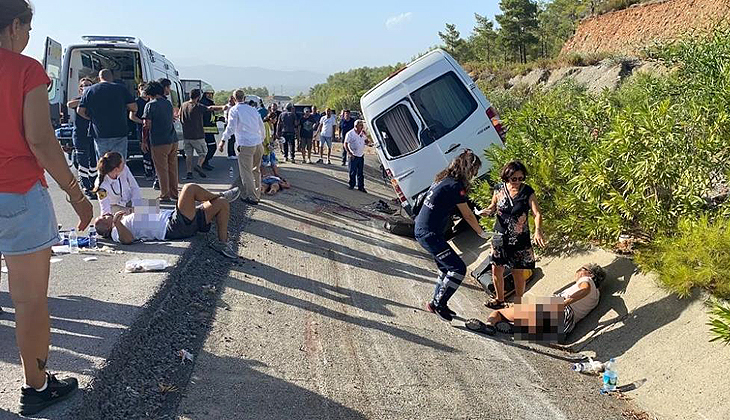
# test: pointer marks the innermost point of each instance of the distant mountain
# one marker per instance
(227, 78)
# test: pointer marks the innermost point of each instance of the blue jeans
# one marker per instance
(86, 158)
(27, 222)
(357, 168)
(451, 267)
(113, 144)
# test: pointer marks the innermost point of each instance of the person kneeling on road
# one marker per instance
(449, 191)
(184, 222)
(271, 181)
(576, 302)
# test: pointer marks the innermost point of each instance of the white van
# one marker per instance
(130, 61)
(424, 115)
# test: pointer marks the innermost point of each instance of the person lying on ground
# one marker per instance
(116, 187)
(576, 302)
(185, 221)
(271, 181)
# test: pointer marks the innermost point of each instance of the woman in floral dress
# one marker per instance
(511, 245)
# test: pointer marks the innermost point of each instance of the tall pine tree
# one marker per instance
(518, 26)
(483, 39)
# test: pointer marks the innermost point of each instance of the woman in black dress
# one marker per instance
(512, 245)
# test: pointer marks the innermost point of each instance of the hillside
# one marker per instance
(281, 82)
(628, 31)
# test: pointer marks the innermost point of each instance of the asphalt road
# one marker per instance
(91, 303)
(321, 319)
(325, 321)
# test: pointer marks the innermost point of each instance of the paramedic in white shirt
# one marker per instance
(355, 142)
(573, 304)
(245, 122)
(327, 125)
(188, 218)
(116, 187)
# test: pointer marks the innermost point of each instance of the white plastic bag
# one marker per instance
(139, 266)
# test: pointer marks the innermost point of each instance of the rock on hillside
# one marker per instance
(628, 31)
(608, 74)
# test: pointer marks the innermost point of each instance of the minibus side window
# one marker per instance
(399, 131)
(444, 104)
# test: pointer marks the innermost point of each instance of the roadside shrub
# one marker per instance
(698, 255)
(636, 160)
(720, 322)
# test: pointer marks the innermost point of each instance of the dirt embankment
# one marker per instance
(628, 31)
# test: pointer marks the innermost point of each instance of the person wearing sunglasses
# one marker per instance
(511, 245)
(83, 142)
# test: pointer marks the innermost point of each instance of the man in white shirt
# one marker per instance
(327, 125)
(245, 122)
(355, 142)
(185, 221)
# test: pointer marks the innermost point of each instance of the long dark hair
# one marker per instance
(463, 168)
(15, 9)
(106, 164)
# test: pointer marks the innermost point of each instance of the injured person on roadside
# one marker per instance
(547, 319)
(188, 218)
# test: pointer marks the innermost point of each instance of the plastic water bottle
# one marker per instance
(230, 172)
(73, 241)
(591, 366)
(610, 377)
(92, 237)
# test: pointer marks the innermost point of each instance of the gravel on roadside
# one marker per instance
(147, 372)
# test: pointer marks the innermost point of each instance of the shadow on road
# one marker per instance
(252, 394)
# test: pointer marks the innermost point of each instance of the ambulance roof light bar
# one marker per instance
(112, 39)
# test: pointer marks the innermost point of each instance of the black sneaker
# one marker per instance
(444, 313)
(362, 190)
(200, 172)
(189, 175)
(32, 401)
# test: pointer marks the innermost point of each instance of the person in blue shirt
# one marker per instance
(448, 192)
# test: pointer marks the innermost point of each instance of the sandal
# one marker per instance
(504, 327)
(478, 326)
(495, 304)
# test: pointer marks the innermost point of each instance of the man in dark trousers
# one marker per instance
(346, 124)
(210, 128)
(287, 128)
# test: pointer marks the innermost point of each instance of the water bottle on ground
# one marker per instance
(610, 377)
(73, 241)
(591, 366)
(92, 237)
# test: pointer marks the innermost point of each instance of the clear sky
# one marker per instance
(285, 34)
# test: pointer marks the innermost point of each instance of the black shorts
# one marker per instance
(180, 227)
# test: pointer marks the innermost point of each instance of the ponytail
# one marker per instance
(107, 163)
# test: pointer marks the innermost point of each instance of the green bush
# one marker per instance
(720, 322)
(697, 256)
(633, 161)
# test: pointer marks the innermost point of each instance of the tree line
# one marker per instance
(525, 30)
(221, 96)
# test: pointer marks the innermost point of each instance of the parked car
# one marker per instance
(129, 59)
(424, 115)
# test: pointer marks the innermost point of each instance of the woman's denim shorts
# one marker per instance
(27, 222)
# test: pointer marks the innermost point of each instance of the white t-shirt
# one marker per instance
(356, 142)
(584, 306)
(118, 191)
(327, 126)
(150, 226)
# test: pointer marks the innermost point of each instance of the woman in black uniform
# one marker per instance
(512, 245)
(449, 190)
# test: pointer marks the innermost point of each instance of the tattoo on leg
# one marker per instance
(41, 364)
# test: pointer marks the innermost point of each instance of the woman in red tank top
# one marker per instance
(28, 148)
